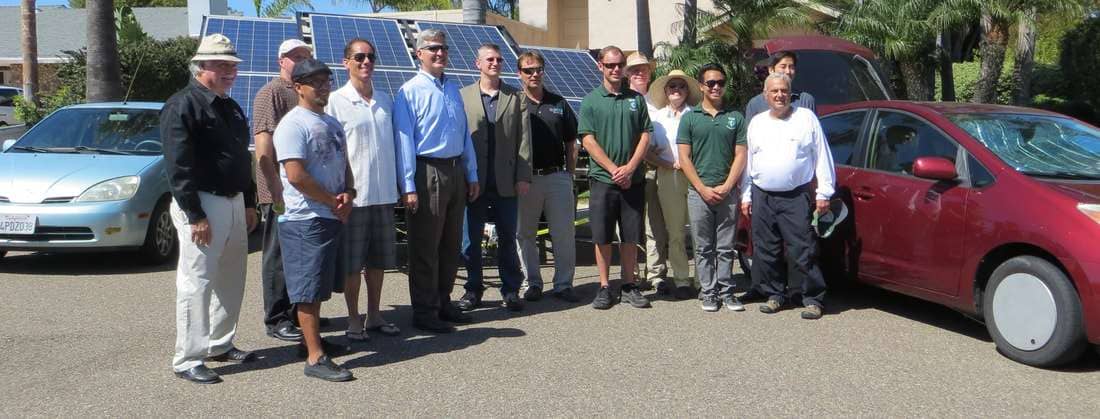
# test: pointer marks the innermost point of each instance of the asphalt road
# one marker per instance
(92, 335)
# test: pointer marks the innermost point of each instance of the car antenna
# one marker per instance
(134, 78)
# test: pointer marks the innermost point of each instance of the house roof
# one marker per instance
(62, 28)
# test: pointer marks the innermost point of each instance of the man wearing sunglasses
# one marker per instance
(553, 160)
(615, 130)
(496, 115)
(437, 173)
(272, 102)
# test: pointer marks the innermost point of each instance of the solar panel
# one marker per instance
(464, 40)
(575, 104)
(257, 40)
(245, 88)
(331, 32)
(570, 73)
(390, 81)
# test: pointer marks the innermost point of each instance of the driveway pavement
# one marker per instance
(93, 335)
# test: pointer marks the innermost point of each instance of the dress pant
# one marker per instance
(278, 311)
(656, 236)
(435, 232)
(477, 212)
(209, 281)
(672, 192)
(713, 228)
(779, 217)
(552, 195)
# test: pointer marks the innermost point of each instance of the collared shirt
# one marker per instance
(666, 123)
(617, 121)
(713, 141)
(205, 140)
(553, 125)
(757, 104)
(273, 100)
(489, 105)
(368, 127)
(787, 153)
(430, 121)
(318, 141)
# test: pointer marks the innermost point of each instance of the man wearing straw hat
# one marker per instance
(205, 137)
(674, 95)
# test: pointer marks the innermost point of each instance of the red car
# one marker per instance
(991, 210)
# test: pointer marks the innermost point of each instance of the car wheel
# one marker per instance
(1033, 313)
(161, 242)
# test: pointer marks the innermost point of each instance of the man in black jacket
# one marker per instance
(205, 136)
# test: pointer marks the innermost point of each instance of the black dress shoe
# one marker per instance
(451, 314)
(512, 302)
(199, 375)
(469, 301)
(433, 325)
(287, 333)
(532, 294)
(234, 355)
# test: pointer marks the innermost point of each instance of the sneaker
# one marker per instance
(532, 294)
(603, 299)
(327, 370)
(812, 312)
(633, 295)
(686, 292)
(770, 306)
(733, 303)
(469, 301)
(566, 295)
(710, 303)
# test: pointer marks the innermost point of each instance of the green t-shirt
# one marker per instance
(618, 122)
(712, 141)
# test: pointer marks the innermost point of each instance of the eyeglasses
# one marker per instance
(612, 66)
(494, 59)
(715, 83)
(530, 71)
(360, 56)
(436, 48)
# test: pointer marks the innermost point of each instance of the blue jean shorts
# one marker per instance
(311, 249)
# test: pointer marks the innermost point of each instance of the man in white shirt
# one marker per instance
(639, 72)
(787, 150)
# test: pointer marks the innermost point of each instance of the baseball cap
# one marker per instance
(307, 68)
(290, 45)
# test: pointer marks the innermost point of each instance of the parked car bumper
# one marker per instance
(108, 225)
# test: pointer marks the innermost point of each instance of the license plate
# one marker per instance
(17, 224)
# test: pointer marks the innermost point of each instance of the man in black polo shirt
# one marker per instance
(553, 140)
(205, 137)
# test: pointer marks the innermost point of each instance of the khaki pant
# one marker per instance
(656, 236)
(672, 191)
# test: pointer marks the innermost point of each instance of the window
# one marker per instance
(842, 132)
(900, 139)
(979, 176)
(835, 78)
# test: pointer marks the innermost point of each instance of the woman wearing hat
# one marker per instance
(673, 95)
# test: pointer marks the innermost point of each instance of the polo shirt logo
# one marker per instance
(634, 105)
(731, 122)
(557, 110)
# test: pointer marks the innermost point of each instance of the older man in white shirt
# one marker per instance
(787, 151)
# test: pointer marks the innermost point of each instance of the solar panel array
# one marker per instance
(245, 88)
(330, 33)
(570, 73)
(464, 41)
(257, 40)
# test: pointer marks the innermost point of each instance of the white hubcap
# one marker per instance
(1025, 311)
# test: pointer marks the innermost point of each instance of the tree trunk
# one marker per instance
(691, 9)
(914, 73)
(993, 45)
(947, 71)
(473, 12)
(30, 51)
(645, 38)
(1025, 58)
(104, 76)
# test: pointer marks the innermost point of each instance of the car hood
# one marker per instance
(1087, 192)
(30, 178)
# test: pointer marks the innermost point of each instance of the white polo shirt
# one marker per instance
(787, 153)
(371, 143)
(666, 124)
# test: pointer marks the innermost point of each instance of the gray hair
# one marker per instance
(779, 76)
(430, 34)
(195, 67)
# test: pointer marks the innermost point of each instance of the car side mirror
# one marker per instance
(8, 144)
(935, 168)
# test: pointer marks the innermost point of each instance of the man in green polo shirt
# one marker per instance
(615, 128)
(713, 156)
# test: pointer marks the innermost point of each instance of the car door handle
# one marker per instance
(863, 195)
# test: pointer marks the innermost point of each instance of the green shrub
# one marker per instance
(152, 70)
(30, 113)
(1080, 62)
(1077, 109)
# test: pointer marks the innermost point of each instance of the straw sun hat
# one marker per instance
(660, 99)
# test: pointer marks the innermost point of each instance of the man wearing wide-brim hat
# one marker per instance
(205, 136)
(673, 94)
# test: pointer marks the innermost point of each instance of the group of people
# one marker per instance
(330, 167)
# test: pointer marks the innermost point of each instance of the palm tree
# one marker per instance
(690, 12)
(473, 11)
(30, 51)
(408, 5)
(641, 21)
(1026, 35)
(104, 74)
(278, 8)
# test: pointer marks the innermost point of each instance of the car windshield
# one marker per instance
(1038, 145)
(98, 131)
(836, 78)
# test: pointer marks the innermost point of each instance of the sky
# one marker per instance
(246, 6)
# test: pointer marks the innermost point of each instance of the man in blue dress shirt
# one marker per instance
(437, 174)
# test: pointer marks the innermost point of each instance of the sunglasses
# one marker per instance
(613, 66)
(530, 71)
(437, 48)
(494, 59)
(317, 83)
(715, 83)
(360, 56)
(679, 86)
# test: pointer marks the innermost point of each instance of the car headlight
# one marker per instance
(1090, 210)
(116, 189)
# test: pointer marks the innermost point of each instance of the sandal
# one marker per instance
(357, 336)
(388, 329)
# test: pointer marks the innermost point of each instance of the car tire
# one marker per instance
(1033, 313)
(161, 242)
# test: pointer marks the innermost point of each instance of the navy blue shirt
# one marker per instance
(490, 105)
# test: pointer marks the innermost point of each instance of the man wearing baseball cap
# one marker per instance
(316, 181)
(205, 136)
(272, 102)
